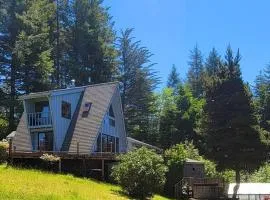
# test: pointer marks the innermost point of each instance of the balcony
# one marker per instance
(39, 120)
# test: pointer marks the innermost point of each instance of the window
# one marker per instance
(111, 117)
(66, 110)
(112, 122)
(111, 113)
(86, 109)
(109, 143)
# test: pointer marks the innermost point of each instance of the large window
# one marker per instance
(66, 110)
(109, 144)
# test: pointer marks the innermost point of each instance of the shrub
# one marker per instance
(3, 151)
(140, 173)
(3, 127)
(49, 158)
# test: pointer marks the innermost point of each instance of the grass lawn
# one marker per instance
(25, 184)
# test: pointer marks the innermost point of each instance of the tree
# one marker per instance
(138, 81)
(93, 54)
(140, 173)
(173, 79)
(168, 135)
(179, 116)
(231, 131)
(9, 65)
(262, 98)
(212, 63)
(33, 47)
(195, 73)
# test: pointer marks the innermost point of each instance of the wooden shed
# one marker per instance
(193, 168)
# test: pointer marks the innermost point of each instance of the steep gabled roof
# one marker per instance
(87, 128)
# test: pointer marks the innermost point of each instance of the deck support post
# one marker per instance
(102, 170)
(84, 167)
(60, 165)
(78, 147)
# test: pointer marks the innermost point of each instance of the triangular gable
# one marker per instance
(22, 139)
(87, 127)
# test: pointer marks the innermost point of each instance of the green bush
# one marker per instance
(140, 173)
(3, 127)
(3, 151)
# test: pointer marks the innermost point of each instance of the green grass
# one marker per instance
(25, 184)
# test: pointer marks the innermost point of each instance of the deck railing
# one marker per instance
(39, 119)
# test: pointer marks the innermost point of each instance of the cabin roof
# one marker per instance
(57, 91)
(250, 188)
(100, 96)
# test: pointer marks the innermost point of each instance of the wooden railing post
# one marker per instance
(10, 148)
(78, 147)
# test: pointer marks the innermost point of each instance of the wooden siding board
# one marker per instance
(87, 128)
(22, 139)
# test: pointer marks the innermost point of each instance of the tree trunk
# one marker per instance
(237, 180)
(12, 97)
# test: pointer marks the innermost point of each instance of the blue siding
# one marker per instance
(107, 128)
(60, 124)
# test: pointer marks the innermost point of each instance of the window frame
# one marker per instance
(68, 110)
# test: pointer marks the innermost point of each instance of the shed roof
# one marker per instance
(132, 140)
(191, 161)
(250, 188)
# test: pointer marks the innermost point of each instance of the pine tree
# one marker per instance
(195, 73)
(173, 79)
(231, 130)
(212, 63)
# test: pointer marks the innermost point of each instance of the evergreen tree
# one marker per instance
(93, 55)
(262, 98)
(9, 64)
(138, 81)
(212, 63)
(173, 79)
(61, 27)
(231, 129)
(195, 73)
(33, 47)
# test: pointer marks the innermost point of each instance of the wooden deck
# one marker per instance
(65, 155)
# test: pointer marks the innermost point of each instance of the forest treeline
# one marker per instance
(44, 44)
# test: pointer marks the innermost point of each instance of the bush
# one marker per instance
(3, 127)
(140, 173)
(3, 151)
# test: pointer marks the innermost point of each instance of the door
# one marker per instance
(45, 141)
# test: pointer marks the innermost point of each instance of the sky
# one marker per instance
(171, 28)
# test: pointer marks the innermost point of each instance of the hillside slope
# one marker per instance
(25, 184)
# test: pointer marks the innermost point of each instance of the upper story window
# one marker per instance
(111, 117)
(66, 110)
(86, 109)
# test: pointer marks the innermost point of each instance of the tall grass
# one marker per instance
(24, 184)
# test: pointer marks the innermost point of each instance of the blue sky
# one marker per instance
(170, 28)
